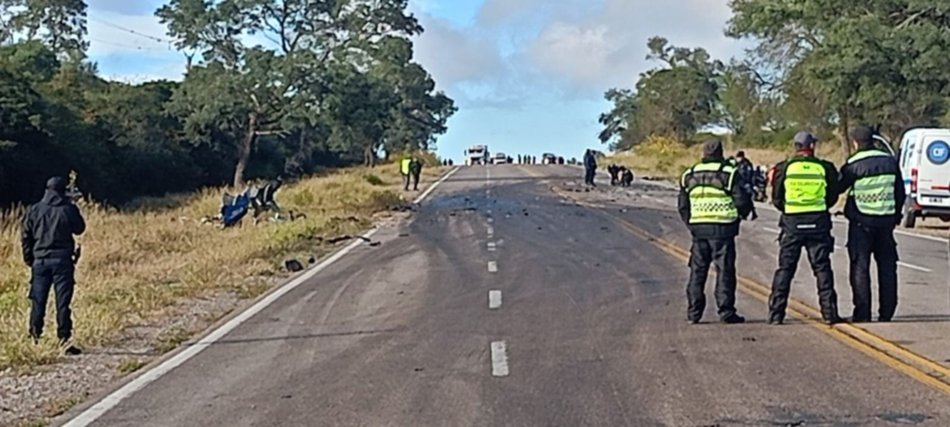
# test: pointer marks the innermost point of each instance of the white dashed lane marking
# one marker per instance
(492, 267)
(494, 300)
(499, 359)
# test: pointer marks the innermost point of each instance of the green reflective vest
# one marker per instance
(805, 187)
(874, 195)
(404, 166)
(708, 186)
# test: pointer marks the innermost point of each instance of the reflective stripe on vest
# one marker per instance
(709, 199)
(805, 187)
(874, 195)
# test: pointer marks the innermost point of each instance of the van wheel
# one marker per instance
(910, 218)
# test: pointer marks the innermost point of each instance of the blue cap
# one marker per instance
(805, 138)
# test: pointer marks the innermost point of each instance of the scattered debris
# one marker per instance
(312, 260)
(749, 339)
(293, 266)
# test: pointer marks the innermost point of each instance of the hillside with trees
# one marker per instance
(272, 87)
(816, 64)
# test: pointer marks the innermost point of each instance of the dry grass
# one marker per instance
(137, 266)
(664, 158)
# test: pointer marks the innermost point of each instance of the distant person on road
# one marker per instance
(626, 177)
(875, 203)
(712, 204)
(404, 169)
(415, 169)
(614, 172)
(746, 172)
(590, 168)
(804, 188)
(50, 251)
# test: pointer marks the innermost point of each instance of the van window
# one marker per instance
(907, 152)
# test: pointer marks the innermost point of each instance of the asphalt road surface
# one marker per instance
(501, 303)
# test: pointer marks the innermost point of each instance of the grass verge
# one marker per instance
(137, 266)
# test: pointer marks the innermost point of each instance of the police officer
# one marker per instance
(405, 170)
(874, 208)
(805, 187)
(415, 169)
(49, 250)
(711, 203)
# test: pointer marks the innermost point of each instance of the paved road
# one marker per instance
(922, 323)
(502, 304)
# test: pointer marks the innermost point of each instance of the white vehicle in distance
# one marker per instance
(476, 155)
(500, 158)
(925, 164)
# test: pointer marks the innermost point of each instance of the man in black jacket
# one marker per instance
(875, 202)
(712, 203)
(50, 251)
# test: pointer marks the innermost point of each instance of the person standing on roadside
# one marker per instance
(712, 204)
(875, 202)
(415, 169)
(49, 249)
(590, 168)
(805, 188)
(404, 169)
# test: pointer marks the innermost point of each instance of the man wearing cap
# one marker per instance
(50, 251)
(804, 188)
(712, 203)
(875, 202)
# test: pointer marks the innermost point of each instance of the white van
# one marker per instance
(925, 164)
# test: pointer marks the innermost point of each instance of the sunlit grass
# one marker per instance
(139, 263)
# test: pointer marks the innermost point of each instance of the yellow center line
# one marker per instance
(874, 346)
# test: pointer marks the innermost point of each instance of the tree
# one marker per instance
(61, 24)
(878, 61)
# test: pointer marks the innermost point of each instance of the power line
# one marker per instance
(128, 46)
(128, 30)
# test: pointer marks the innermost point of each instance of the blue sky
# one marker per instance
(527, 75)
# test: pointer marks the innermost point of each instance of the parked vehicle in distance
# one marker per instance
(548, 159)
(925, 164)
(477, 155)
(500, 158)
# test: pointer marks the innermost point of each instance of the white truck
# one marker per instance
(477, 155)
(925, 164)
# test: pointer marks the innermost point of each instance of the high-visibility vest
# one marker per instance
(404, 166)
(710, 201)
(805, 187)
(874, 195)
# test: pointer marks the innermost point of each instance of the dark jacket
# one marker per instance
(742, 200)
(589, 161)
(872, 166)
(48, 228)
(812, 222)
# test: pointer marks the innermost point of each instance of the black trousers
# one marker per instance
(863, 243)
(406, 178)
(415, 180)
(705, 252)
(57, 274)
(819, 247)
(589, 175)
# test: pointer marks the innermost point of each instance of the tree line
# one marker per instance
(272, 88)
(816, 64)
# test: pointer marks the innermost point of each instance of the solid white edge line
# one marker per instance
(499, 359)
(914, 267)
(492, 267)
(432, 187)
(109, 402)
(494, 300)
